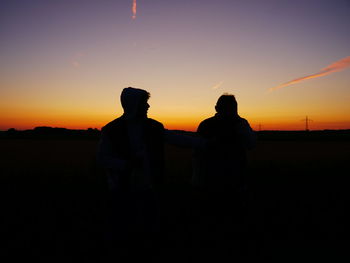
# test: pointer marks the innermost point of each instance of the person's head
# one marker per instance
(134, 102)
(226, 105)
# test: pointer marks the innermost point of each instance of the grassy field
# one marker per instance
(54, 201)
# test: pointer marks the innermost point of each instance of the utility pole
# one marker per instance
(307, 120)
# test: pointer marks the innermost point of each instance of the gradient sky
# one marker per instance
(63, 63)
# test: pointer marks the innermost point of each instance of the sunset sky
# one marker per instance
(63, 63)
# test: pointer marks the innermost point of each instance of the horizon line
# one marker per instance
(99, 129)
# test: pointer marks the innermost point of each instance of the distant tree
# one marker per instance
(11, 130)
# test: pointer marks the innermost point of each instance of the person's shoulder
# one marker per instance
(207, 125)
(155, 123)
(243, 121)
(208, 121)
(112, 125)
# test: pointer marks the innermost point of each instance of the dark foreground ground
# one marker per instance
(54, 205)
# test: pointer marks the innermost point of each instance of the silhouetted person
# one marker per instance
(131, 150)
(218, 174)
(222, 165)
(131, 146)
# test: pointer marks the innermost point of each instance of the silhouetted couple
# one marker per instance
(132, 151)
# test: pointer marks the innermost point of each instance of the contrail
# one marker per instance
(76, 59)
(334, 67)
(217, 86)
(134, 5)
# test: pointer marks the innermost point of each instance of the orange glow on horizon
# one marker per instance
(22, 118)
(85, 123)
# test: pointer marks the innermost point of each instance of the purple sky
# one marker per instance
(74, 57)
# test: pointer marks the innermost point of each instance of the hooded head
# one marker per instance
(134, 103)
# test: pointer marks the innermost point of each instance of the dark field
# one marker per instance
(53, 202)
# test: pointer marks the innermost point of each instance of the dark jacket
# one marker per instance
(117, 136)
(222, 164)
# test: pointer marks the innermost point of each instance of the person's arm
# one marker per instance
(183, 140)
(246, 133)
(106, 156)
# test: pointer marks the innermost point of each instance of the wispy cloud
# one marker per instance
(134, 6)
(75, 62)
(334, 67)
(217, 86)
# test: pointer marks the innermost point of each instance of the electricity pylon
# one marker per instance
(307, 120)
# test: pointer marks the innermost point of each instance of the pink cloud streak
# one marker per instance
(134, 5)
(334, 67)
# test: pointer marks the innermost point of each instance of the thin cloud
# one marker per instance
(76, 64)
(134, 7)
(76, 59)
(217, 86)
(334, 67)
